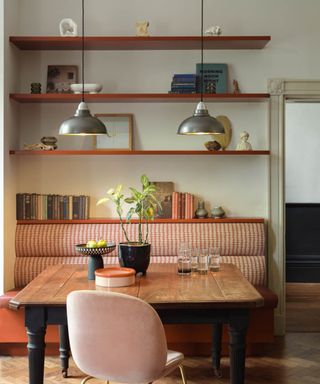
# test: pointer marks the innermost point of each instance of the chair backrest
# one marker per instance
(115, 336)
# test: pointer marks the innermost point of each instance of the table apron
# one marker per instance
(40, 316)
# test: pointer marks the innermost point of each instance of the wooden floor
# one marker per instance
(293, 359)
(303, 307)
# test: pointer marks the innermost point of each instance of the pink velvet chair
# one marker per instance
(119, 338)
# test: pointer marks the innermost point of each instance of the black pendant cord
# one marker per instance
(201, 76)
(82, 57)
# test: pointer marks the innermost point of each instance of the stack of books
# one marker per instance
(182, 205)
(34, 206)
(184, 83)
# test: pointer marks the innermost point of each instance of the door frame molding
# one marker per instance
(280, 91)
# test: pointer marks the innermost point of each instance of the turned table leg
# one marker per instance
(64, 349)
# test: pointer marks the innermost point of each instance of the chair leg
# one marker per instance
(86, 379)
(183, 376)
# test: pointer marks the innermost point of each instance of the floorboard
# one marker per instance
(303, 307)
(293, 359)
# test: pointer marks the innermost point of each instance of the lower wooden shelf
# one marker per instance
(115, 221)
(135, 153)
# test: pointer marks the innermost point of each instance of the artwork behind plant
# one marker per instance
(164, 195)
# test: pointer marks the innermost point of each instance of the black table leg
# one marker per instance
(36, 329)
(237, 331)
(216, 349)
(64, 349)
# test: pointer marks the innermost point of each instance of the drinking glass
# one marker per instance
(184, 259)
(203, 261)
(214, 259)
(195, 259)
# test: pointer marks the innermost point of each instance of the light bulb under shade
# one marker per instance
(201, 123)
(82, 123)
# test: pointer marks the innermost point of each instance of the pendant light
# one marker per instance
(82, 123)
(201, 123)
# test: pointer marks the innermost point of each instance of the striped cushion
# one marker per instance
(40, 245)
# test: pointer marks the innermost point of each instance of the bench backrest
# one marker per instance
(41, 245)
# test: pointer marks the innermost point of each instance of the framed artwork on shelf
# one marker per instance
(120, 132)
(164, 195)
(60, 78)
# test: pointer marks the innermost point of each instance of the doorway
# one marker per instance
(302, 215)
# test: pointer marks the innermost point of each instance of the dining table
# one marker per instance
(217, 298)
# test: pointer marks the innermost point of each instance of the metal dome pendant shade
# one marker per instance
(82, 123)
(201, 123)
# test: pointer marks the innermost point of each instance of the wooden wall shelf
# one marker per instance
(136, 153)
(116, 221)
(137, 97)
(117, 43)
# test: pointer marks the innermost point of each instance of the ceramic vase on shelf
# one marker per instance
(201, 211)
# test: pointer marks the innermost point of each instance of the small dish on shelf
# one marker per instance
(88, 88)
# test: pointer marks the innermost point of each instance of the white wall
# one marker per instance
(239, 184)
(302, 153)
(10, 82)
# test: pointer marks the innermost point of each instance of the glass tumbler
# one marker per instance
(203, 261)
(184, 261)
(214, 259)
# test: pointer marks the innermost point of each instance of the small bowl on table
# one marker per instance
(95, 256)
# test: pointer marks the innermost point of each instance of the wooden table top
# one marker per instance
(160, 287)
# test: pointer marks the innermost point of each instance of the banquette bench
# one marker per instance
(242, 242)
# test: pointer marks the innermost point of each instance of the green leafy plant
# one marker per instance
(143, 205)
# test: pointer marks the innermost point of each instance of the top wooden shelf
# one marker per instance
(123, 43)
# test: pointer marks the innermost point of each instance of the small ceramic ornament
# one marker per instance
(243, 144)
(142, 28)
(215, 30)
(236, 88)
(68, 27)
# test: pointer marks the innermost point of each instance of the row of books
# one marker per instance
(182, 205)
(184, 83)
(34, 206)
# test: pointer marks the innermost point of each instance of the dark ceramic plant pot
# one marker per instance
(134, 255)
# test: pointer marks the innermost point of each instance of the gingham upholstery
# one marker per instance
(41, 245)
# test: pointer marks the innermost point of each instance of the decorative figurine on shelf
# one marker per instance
(215, 30)
(68, 27)
(236, 88)
(201, 211)
(142, 28)
(243, 144)
(38, 147)
(35, 87)
(48, 143)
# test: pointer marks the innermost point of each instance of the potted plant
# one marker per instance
(143, 204)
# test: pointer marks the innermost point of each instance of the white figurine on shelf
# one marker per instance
(68, 28)
(243, 144)
(215, 30)
(142, 28)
